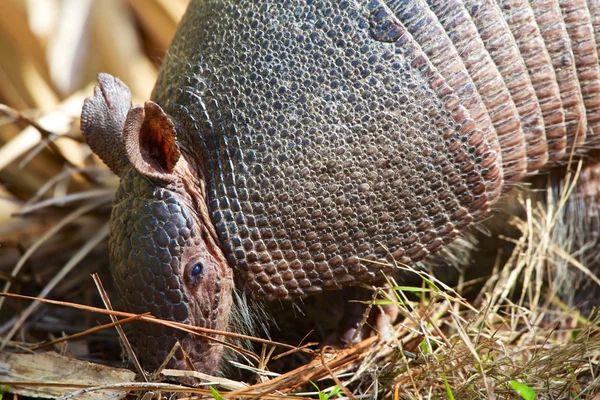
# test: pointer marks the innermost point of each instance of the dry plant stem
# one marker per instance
(32, 203)
(334, 377)
(467, 341)
(445, 292)
(46, 384)
(427, 317)
(296, 350)
(38, 243)
(105, 194)
(312, 371)
(207, 379)
(568, 257)
(528, 259)
(159, 370)
(551, 220)
(120, 331)
(265, 358)
(186, 356)
(525, 242)
(48, 136)
(161, 387)
(131, 386)
(88, 332)
(364, 318)
(190, 329)
(254, 370)
(77, 257)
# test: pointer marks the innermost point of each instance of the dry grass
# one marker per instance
(54, 206)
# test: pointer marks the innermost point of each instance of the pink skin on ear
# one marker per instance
(150, 141)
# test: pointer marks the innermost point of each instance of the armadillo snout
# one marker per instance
(159, 266)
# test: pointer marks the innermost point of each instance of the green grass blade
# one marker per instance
(213, 391)
(523, 390)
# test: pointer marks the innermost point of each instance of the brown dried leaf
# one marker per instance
(51, 367)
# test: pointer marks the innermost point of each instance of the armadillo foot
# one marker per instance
(356, 325)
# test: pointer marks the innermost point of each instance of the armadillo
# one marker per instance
(292, 147)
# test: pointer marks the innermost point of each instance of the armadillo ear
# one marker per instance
(150, 141)
(102, 120)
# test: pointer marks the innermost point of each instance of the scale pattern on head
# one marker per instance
(151, 230)
(163, 258)
(326, 138)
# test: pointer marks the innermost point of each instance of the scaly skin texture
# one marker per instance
(321, 145)
(301, 146)
(159, 231)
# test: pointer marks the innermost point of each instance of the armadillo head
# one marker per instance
(163, 256)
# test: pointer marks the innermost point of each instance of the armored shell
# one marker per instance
(338, 137)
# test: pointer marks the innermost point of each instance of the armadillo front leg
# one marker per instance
(361, 317)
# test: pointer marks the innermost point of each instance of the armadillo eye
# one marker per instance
(197, 270)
